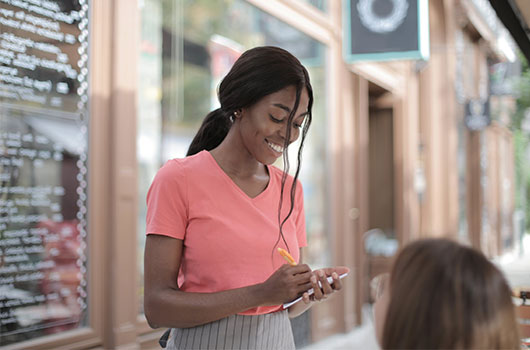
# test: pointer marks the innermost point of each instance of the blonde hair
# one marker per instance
(444, 295)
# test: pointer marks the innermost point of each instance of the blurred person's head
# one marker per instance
(443, 295)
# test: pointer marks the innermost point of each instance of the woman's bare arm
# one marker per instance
(166, 306)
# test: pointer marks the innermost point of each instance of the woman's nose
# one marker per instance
(282, 132)
(292, 137)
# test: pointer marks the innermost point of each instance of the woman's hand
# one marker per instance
(286, 284)
(326, 288)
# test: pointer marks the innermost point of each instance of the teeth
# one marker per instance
(275, 147)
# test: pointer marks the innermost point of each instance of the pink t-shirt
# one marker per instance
(229, 238)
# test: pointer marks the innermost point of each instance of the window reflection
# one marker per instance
(42, 281)
(319, 4)
(43, 170)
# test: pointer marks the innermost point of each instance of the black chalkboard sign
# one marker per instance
(376, 30)
(43, 167)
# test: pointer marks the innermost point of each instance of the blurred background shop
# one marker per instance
(421, 128)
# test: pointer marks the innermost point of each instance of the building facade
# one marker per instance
(396, 150)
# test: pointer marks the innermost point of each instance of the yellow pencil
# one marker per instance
(285, 254)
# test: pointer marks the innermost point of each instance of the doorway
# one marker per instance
(380, 242)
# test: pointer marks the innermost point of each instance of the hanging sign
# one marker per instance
(477, 115)
(377, 30)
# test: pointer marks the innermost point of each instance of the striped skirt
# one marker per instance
(269, 331)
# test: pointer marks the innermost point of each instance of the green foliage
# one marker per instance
(523, 101)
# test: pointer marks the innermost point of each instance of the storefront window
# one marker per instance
(319, 4)
(43, 168)
(187, 47)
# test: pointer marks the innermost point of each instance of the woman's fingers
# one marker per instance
(317, 280)
(326, 287)
(338, 269)
(337, 284)
(306, 298)
(321, 286)
(300, 268)
(303, 277)
(305, 287)
(335, 273)
(317, 292)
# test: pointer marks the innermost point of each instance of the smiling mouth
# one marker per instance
(275, 147)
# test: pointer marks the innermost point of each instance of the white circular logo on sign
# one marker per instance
(379, 24)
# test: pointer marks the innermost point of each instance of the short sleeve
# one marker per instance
(301, 234)
(167, 202)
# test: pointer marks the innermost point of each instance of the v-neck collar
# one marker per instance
(234, 185)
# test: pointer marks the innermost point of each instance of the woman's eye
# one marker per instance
(297, 125)
(276, 120)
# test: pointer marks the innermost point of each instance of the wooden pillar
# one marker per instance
(439, 133)
(121, 261)
(474, 190)
(361, 212)
(410, 135)
(343, 140)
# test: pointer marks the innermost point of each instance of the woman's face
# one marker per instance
(263, 126)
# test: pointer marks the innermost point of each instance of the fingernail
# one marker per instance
(313, 279)
(321, 273)
(335, 275)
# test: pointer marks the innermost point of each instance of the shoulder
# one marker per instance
(176, 172)
(170, 171)
(180, 166)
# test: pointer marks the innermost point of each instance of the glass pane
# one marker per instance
(322, 5)
(43, 168)
(187, 48)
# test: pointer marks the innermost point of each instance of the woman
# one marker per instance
(443, 295)
(216, 217)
